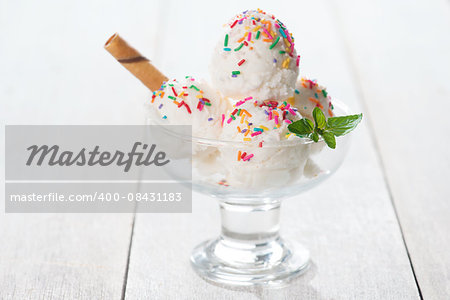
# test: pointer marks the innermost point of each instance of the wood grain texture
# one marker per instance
(348, 223)
(55, 71)
(63, 256)
(400, 55)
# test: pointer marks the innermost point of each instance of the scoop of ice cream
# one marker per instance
(191, 102)
(308, 95)
(255, 158)
(255, 56)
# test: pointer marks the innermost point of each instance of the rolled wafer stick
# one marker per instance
(134, 62)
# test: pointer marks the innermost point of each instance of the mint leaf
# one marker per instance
(319, 118)
(330, 139)
(343, 125)
(302, 127)
(315, 137)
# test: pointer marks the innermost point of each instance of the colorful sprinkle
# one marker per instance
(225, 43)
(239, 47)
(274, 43)
(241, 62)
(247, 157)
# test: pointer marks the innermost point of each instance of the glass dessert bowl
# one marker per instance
(250, 189)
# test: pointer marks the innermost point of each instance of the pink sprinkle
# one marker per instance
(291, 111)
(223, 119)
(298, 60)
(276, 120)
(270, 116)
(249, 36)
(248, 98)
(268, 34)
(288, 36)
(247, 157)
(277, 26)
(287, 106)
(240, 103)
(288, 121)
(256, 133)
(229, 120)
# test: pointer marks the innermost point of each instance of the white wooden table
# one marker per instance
(378, 229)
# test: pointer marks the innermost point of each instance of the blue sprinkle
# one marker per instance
(243, 130)
(274, 60)
(210, 119)
(282, 33)
(160, 106)
(266, 112)
(297, 91)
(226, 49)
(165, 117)
(250, 124)
(234, 75)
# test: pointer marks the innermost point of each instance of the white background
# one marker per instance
(379, 229)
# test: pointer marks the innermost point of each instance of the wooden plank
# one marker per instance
(348, 223)
(400, 55)
(55, 71)
(63, 256)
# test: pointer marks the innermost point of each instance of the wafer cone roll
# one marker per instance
(134, 62)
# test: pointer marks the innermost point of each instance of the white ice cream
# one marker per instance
(254, 160)
(308, 95)
(255, 57)
(191, 102)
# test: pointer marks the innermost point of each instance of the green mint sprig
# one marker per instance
(327, 129)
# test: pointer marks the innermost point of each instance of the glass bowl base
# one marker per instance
(273, 263)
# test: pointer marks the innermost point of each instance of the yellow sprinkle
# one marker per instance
(286, 63)
(247, 139)
(247, 28)
(291, 100)
(263, 127)
(256, 28)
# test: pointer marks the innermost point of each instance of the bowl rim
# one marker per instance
(217, 142)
